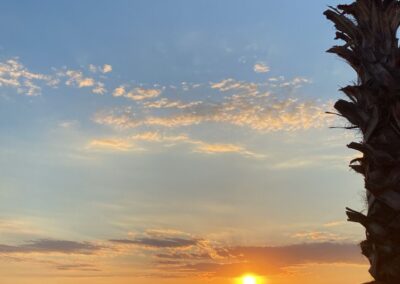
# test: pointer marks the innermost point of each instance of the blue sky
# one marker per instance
(128, 124)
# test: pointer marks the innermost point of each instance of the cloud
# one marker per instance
(258, 106)
(46, 246)
(262, 261)
(232, 84)
(184, 254)
(198, 146)
(86, 82)
(215, 148)
(93, 68)
(319, 236)
(137, 94)
(119, 92)
(99, 88)
(334, 224)
(263, 107)
(181, 254)
(296, 82)
(158, 137)
(312, 160)
(166, 103)
(261, 67)
(293, 163)
(76, 78)
(222, 84)
(107, 68)
(166, 242)
(259, 112)
(77, 267)
(14, 74)
(68, 123)
(218, 148)
(113, 144)
(119, 118)
(276, 260)
(19, 227)
(161, 239)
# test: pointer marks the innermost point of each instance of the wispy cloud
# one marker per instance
(179, 254)
(321, 236)
(77, 267)
(262, 260)
(14, 74)
(19, 226)
(68, 123)
(189, 255)
(166, 242)
(113, 144)
(276, 260)
(198, 146)
(263, 107)
(166, 103)
(46, 246)
(76, 78)
(215, 148)
(137, 94)
(334, 224)
(150, 136)
(106, 68)
(99, 88)
(261, 113)
(261, 67)
(234, 85)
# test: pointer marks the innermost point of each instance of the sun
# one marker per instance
(249, 279)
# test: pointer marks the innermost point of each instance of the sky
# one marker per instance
(174, 142)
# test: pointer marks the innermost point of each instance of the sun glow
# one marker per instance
(249, 279)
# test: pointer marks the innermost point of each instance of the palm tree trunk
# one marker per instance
(368, 29)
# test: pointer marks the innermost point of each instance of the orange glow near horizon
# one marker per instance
(250, 279)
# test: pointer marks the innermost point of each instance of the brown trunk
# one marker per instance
(368, 29)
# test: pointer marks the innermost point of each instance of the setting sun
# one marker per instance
(249, 279)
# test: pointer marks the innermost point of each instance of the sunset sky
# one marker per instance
(174, 142)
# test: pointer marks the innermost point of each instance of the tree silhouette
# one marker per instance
(368, 29)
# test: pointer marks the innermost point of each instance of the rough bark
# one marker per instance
(368, 29)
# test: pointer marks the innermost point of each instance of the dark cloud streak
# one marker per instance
(233, 261)
(167, 242)
(51, 246)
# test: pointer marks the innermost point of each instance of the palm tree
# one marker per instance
(368, 29)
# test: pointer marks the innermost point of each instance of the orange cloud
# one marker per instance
(319, 236)
(14, 74)
(166, 103)
(254, 113)
(126, 144)
(137, 94)
(261, 67)
(112, 144)
(107, 68)
(185, 255)
(208, 148)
